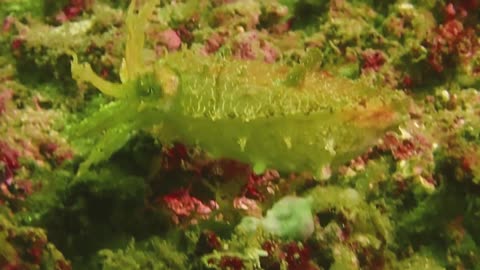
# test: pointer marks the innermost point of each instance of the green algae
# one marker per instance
(154, 254)
(408, 203)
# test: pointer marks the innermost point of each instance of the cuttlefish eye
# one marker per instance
(147, 86)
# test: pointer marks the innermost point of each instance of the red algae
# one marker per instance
(324, 171)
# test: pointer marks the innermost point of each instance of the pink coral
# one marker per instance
(249, 205)
(8, 23)
(183, 205)
(258, 185)
(73, 9)
(373, 60)
(452, 38)
(244, 50)
(403, 149)
(9, 159)
(213, 43)
(270, 55)
(251, 45)
(170, 39)
(450, 11)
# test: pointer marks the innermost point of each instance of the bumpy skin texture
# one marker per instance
(247, 111)
(267, 115)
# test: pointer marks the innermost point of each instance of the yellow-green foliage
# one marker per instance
(153, 254)
(268, 115)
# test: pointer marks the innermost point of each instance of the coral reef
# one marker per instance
(279, 134)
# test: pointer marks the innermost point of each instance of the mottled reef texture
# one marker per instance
(240, 134)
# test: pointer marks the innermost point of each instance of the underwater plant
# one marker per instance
(267, 115)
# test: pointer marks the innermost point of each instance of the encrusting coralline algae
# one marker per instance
(289, 134)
